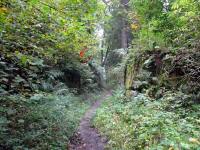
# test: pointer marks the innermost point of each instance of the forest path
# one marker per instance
(87, 137)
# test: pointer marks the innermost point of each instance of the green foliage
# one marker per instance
(148, 9)
(43, 121)
(40, 41)
(175, 27)
(116, 20)
(114, 66)
(141, 123)
(47, 28)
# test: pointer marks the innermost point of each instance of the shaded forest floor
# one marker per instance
(87, 137)
(143, 123)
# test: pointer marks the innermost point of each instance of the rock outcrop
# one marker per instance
(155, 72)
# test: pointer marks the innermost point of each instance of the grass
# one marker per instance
(143, 123)
(43, 121)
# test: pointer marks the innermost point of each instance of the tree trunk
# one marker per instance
(124, 36)
(125, 28)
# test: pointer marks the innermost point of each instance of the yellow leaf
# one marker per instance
(134, 26)
(194, 140)
(3, 9)
(171, 148)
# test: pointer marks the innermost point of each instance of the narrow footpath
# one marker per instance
(87, 137)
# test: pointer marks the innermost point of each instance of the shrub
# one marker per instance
(43, 121)
(141, 123)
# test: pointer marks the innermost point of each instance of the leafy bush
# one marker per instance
(141, 123)
(172, 23)
(43, 121)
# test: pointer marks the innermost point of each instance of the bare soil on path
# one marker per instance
(87, 137)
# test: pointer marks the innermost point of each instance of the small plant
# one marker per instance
(141, 123)
(43, 121)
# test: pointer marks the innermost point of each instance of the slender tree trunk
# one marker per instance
(124, 32)
(104, 59)
(102, 56)
(124, 35)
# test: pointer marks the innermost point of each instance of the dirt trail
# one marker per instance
(87, 137)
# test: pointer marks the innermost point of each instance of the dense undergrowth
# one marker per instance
(41, 74)
(45, 46)
(145, 123)
(43, 121)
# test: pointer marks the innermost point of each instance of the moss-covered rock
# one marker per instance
(162, 70)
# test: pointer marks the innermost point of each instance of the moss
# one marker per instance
(133, 65)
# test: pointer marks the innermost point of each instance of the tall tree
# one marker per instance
(125, 31)
(117, 28)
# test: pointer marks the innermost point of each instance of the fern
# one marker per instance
(46, 86)
(55, 74)
(61, 89)
(59, 86)
(62, 92)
